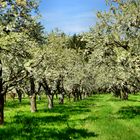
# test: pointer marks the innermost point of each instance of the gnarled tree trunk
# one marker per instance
(1, 97)
(48, 93)
(61, 98)
(85, 94)
(1, 109)
(19, 92)
(4, 98)
(74, 96)
(125, 96)
(32, 95)
(50, 101)
(33, 103)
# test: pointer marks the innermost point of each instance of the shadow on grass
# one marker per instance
(29, 126)
(95, 98)
(25, 102)
(15, 103)
(38, 120)
(44, 133)
(129, 112)
(91, 118)
(25, 127)
(115, 99)
(68, 110)
(133, 100)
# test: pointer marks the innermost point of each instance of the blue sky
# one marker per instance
(70, 16)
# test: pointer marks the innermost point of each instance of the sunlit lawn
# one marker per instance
(100, 117)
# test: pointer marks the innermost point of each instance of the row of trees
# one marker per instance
(20, 33)
(105, 59)
(115, 42)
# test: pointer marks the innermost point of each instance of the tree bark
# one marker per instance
(19, 92)
(5, 98)
(61, 98)
(74, 98)
(1, 97)
(86, 95)
(83, 96)
(125, 96)
(80, 95)
(69, 96)
(1, 109)
(48, 93)
(32, 95)
(19, 97)
(50, 101)
(33, 103)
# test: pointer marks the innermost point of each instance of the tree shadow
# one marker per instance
(71, 133)
(37, 120)
(134, 100)
(115, 99)
(15, 103)
(33, 126)
(91, 118)
(129, 112)
(94, 98)
(45, 133)
(30, 127)
(68, 110)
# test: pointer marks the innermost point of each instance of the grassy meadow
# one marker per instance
(100, 117)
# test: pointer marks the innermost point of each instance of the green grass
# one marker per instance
(100, 117)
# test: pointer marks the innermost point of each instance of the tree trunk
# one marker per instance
(50, 101)
(125, 96)
(86, 95)
(83, 96)
(119, 94)
(69, 96)
(4, 98)
(48, 93)
(77, 96)
(1, 97)
(1, 109)
(80, 96)
(33, 95)
(33, 103)
(19, 95)
(61, 98)
(74, 98)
